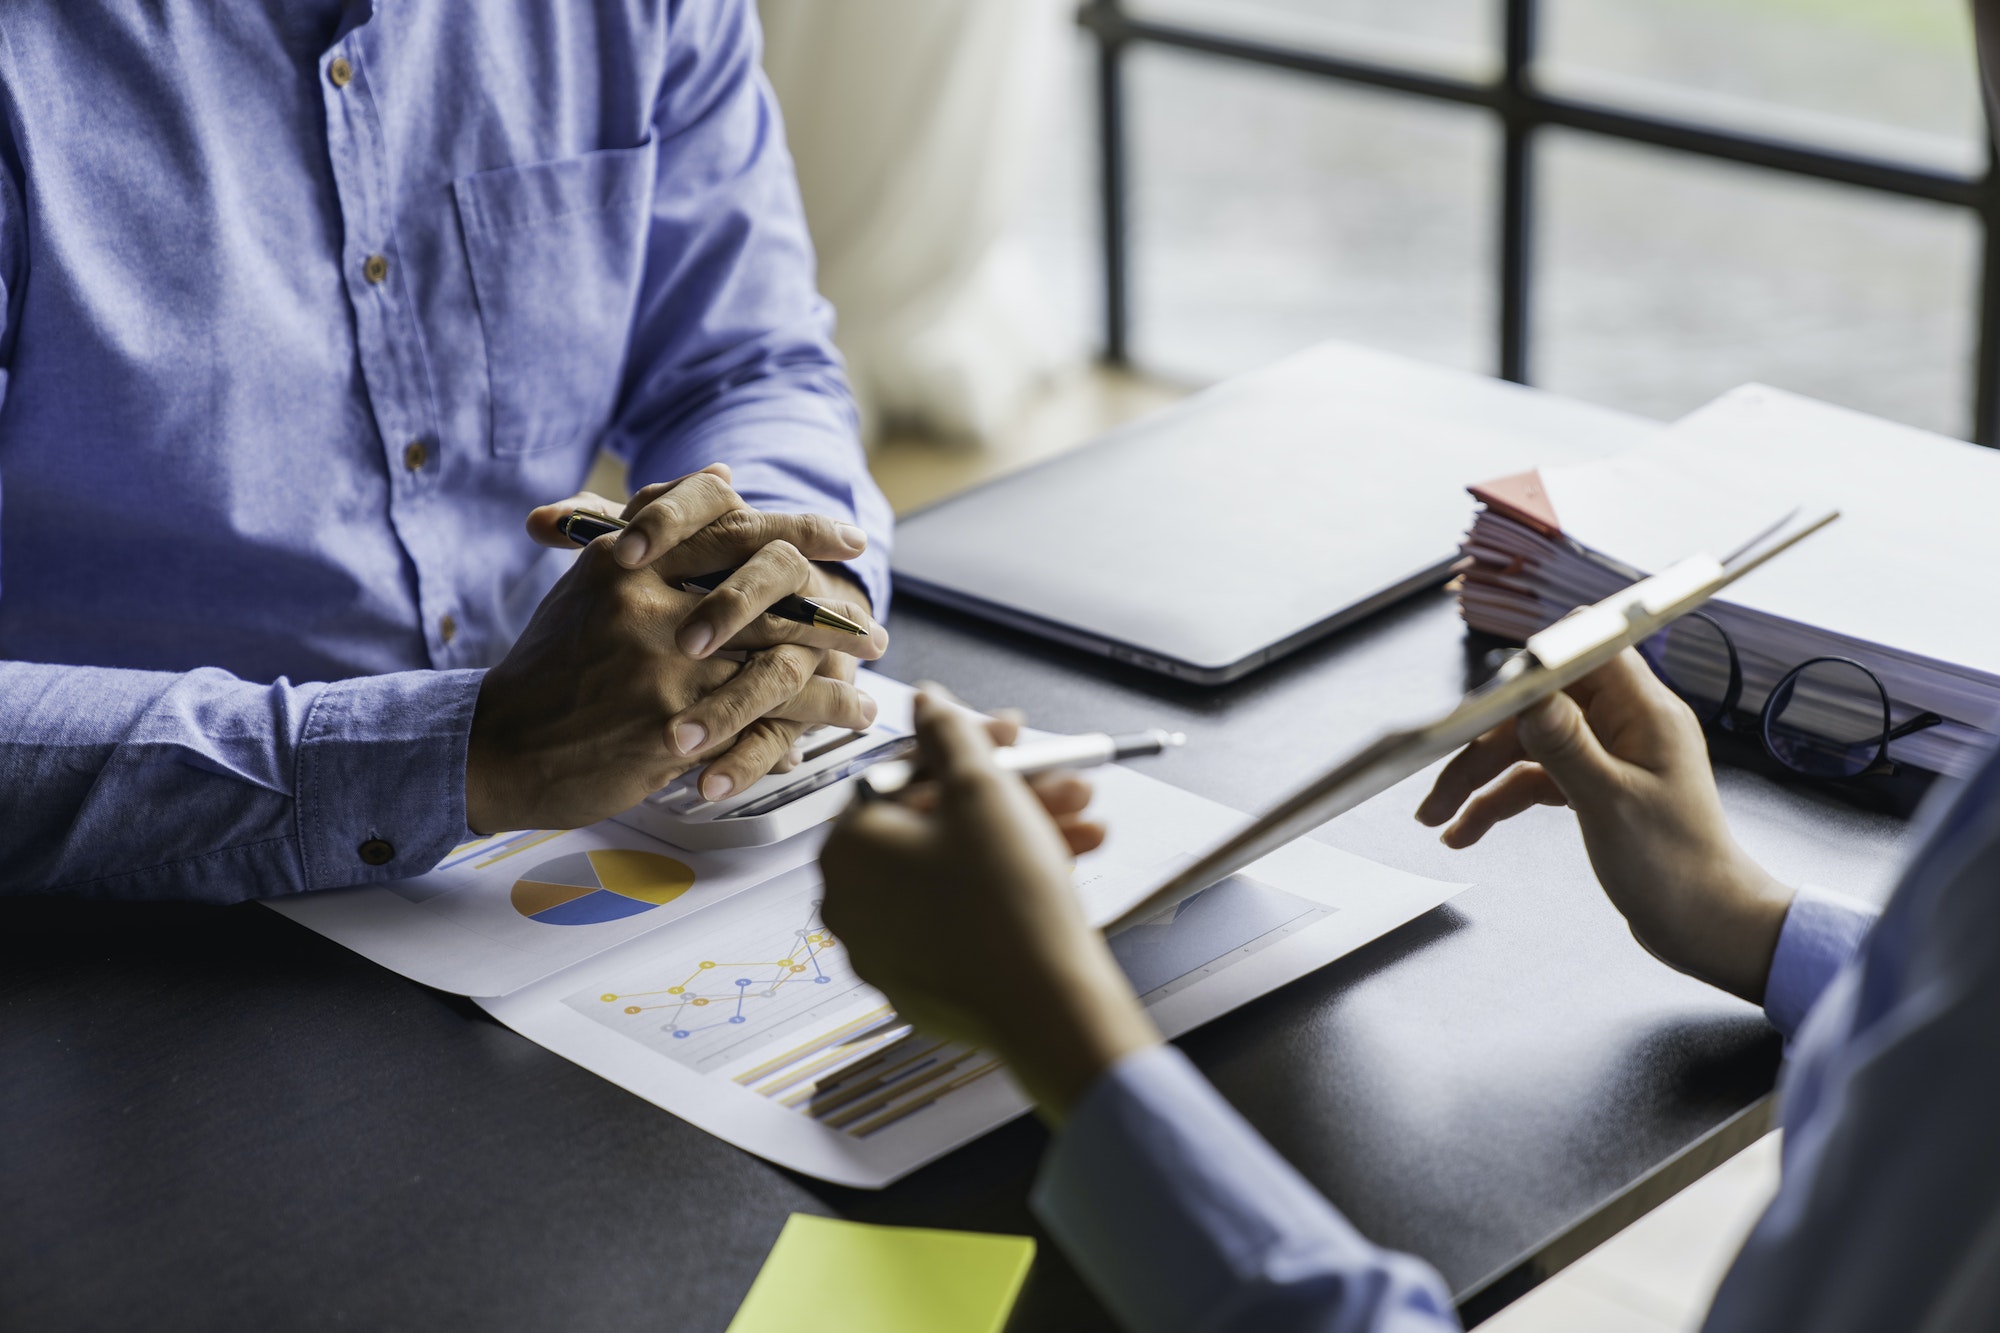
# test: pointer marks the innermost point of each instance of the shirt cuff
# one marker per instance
(1822, 931)
(381, 775)
(795, 454)
(1181, 1216)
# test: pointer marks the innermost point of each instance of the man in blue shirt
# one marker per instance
(1183, 1219)
(303, 307)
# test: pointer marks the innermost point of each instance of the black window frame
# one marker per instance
(1523, 109)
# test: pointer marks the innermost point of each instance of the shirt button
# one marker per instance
(377, 852)
(375, 269)
(339, 72)
(416, 456)
(448, 629)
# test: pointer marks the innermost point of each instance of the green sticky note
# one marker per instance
(829, 1276)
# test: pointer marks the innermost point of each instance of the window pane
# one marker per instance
(1890, 78)
(1449, 36)
(1664, 280)
(1270, 211)
(1058, 220)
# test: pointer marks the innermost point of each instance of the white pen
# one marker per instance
(1031, 757)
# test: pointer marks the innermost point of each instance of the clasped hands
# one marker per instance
(622, 681)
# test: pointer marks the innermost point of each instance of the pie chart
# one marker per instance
(587, 888)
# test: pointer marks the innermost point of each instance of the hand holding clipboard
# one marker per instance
(1555, 658)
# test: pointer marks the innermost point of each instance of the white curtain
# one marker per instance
(914, 124)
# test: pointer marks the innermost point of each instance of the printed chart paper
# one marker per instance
(746, 1019)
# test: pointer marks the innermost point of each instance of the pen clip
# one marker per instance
(584, 526)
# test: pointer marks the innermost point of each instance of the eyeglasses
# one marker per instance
(1828, 717)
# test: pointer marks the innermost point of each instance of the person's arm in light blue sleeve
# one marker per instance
(1822, 931)
(139, 784)
(1182, 1217)
(731, 357)
(961, 910)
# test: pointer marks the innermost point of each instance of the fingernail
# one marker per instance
(796, 756)
(868, 711)
(695, 639)
(852, 535)
(631, 549)
(716, 786)
(688, 737)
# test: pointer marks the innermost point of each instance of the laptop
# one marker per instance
(1248, 520)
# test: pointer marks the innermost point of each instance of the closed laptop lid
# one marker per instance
(1235, 525)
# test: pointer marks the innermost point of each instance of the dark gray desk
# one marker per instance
(213, 1118)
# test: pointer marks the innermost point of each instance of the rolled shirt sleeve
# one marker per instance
(1822, 931)
(136, 784)
(1182, 1217)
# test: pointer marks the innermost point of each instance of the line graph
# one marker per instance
(731, 984)
(764, 997)
(735, 984)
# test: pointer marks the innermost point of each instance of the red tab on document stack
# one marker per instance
(1903, 583)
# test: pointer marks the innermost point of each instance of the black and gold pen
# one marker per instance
(584, 526)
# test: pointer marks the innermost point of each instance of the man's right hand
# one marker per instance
(1628, 756)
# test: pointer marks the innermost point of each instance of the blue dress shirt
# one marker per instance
(1888, 1217)
(302, 307)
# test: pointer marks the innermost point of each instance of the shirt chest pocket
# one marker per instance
(556, 252)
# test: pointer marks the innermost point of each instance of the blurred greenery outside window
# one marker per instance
(1271, 209)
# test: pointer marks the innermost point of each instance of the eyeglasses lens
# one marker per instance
(1692, 657)
(1827, 719)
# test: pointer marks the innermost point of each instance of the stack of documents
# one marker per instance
(1902, 583)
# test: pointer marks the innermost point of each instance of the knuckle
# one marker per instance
(644, 497)
(842, 701)
(664, 514)
(731, 709)
(738, 525)
(736, 603)
(788, 669)
(807, 530)
(705, 486)
(764, 743)
(788, 558)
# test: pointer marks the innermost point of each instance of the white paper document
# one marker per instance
(746, 1019)
(709, 985)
